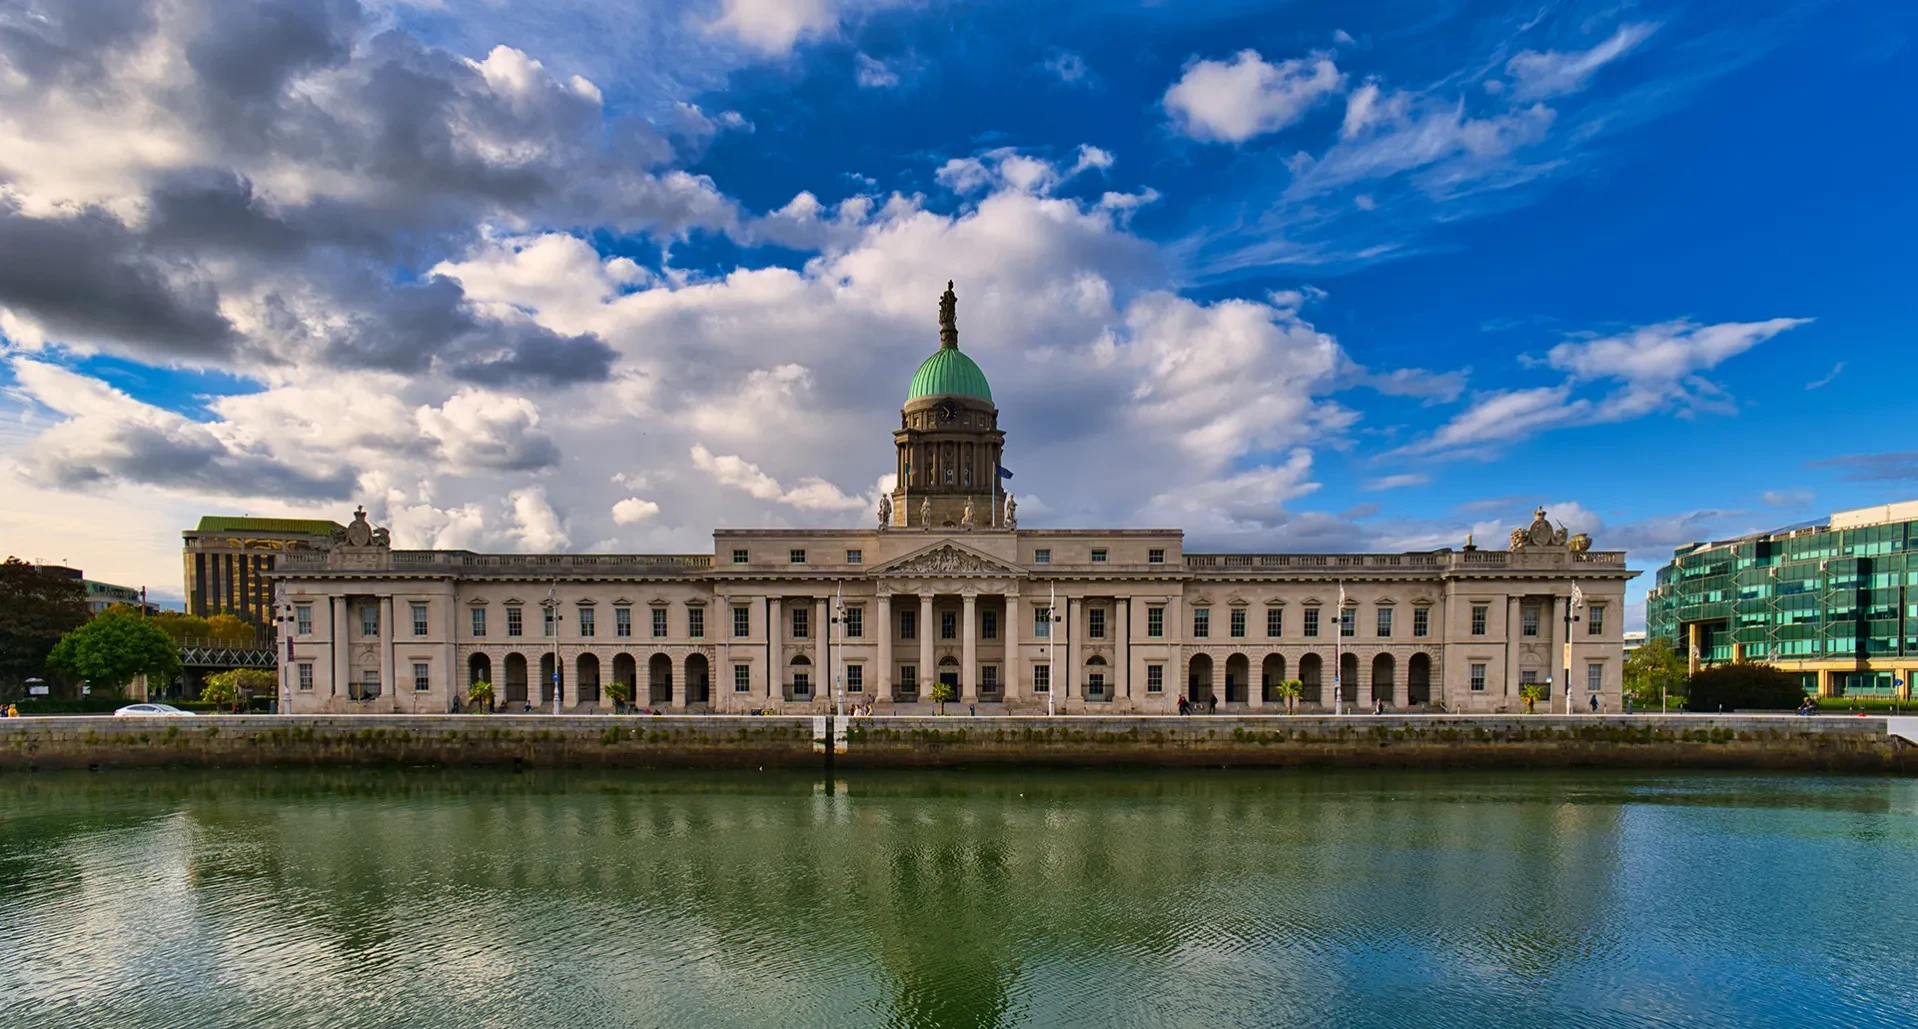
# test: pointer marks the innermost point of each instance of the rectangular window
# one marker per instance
(1275, 622)
(855, 679)
(1155, 556)
(742, 678)
(546, 622)
(515, 624)
(1155, 622)
(1042, 622)
(303, 619)
(370, 683)
(479, 621)
(588, 623)
(306, 675)
(854, 557)
(1237, 623)
(419, 619)
(1595, 678)
(1202, 622)
(1528, 619)
(421, 680)
(739, 557)
(1098, 555)
(623, 622)
(855, 623)
(659, 623)
(989, 625)
(742, 622)
(696, 622)
(1311, 621)
(989, 678)
(1421, 621)
(1385, 623)
(948, 625)
(1042, 557)
(796, 557)
(908, 624)
(1041, 679)
(1478, 678)
(909, 676)
(1349, 621)
(1596, 620)
(802, 622)
(369, 620)
(1478, 619)
(1096, 623)
(1155, 678)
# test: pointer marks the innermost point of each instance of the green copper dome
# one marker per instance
(949, 373)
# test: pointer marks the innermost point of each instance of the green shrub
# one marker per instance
(78, 706)
(1744, 686)
(1866, 704)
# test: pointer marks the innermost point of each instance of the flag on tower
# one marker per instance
(1003, 473)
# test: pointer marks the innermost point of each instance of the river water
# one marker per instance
(1209, 899)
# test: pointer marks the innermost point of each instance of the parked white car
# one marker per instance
(151, 711)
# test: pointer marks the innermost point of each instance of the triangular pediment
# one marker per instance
(947, 558)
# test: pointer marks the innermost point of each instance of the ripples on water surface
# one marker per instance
(424, 898)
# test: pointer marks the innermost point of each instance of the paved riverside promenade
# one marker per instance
(1775, 742)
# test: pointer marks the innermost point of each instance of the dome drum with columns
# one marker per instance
(949, 447)
(949, 590)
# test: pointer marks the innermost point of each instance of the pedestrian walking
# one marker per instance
(1185, 706)
(1594, 703)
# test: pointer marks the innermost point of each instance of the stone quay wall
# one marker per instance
(1768, 742)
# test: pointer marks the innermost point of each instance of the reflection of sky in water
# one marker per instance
(1184, 899)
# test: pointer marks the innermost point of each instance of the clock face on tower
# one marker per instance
(946, 411)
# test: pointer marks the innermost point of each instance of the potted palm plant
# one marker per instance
(1290, 691)
(621, 693)
(941, 693)
(1531, 693)
(480, 695)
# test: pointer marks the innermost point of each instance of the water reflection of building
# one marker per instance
(948, 590)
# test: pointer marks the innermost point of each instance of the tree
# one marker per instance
(1290, 691)
(1653, 672)
(1743, 686)
(1531, 693)
(941, 694)
(480, 695)
(182, 626)
(221, 690)
(230, 629)
(37, 607)
(110, 650)
(620, 691)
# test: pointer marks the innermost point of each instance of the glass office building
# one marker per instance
(1834, 601)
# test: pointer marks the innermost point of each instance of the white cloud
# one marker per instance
(773, 26)
(1386, 482)
(1537, 75)
(1660, 365)
(633, 510)
(872, 73)
(1828, 377)
(1010, 168)
(812, 494)
(481, 429)
(535, 524)
(1500, 416)
(1070, 68)
(1797, 497)
(1234, 101)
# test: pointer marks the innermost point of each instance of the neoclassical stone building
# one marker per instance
(948, 589)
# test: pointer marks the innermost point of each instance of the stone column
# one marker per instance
(1513, 628)
(969, 649)
(927, 674)
(1561, 671)
(1072, 649)
(341, 635)
(1122, 667)
(719, 677)
(882, 683)
(387, 682)
(1009, 674)
(775, 646)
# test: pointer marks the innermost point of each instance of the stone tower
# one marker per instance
(949, 439)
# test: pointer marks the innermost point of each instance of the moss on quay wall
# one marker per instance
(1678, 741)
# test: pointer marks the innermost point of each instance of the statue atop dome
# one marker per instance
(949, 318)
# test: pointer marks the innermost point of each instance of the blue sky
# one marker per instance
(602, 276)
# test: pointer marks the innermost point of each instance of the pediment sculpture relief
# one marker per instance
(1541, 534)
(944, 561)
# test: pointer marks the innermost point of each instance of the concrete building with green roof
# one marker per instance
(228, 560)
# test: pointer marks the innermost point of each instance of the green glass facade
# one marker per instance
(1839, 606)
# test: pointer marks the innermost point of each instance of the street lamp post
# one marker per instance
(1053, 621)
(1572, 608)
(839, 655)
(552, 605)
